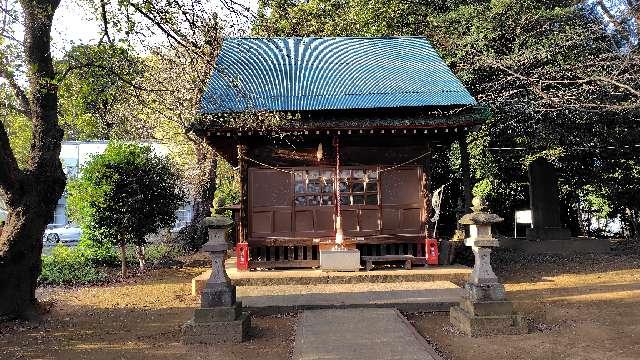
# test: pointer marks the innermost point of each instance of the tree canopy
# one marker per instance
(97, 87)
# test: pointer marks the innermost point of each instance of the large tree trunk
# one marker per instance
(31, 194)
(205, 191)
(20, 264)
(194, 235)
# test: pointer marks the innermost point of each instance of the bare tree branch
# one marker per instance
(168, 33)
(105, 21)
(18, 91)
(620, 27)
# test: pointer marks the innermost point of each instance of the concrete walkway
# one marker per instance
(407, 296)
(357, 334)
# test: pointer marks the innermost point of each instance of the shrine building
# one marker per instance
(320, 127)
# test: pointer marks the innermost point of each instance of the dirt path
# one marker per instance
(136, 320)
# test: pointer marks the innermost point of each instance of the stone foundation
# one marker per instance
(542, 234)
(218, 294)
(221, 313)
(570, 246)
(484, 325)
(216, 332)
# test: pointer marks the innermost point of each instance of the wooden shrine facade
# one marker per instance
(288, 199)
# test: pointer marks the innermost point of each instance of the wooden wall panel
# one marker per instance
(402, 200)
(368, 219)
(270, 203)
(282, 222)
(262, 223)
(304, 221)
(273, 213)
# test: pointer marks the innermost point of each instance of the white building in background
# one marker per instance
(74, 154)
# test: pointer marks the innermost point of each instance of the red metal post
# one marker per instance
(432, 251)
(242, 256)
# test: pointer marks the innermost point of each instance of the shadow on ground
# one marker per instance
(89, 333)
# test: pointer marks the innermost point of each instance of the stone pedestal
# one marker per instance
(340, 260)
(467, 319)
(485, 309)
(219, 318)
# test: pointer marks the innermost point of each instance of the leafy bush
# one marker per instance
(69, 266)
(156, 253)
(227, 187)
(99, 253)
(125, 194)
(81, 264)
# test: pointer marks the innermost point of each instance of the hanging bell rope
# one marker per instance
(339, 234)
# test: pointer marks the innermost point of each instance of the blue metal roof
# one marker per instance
(297, 74)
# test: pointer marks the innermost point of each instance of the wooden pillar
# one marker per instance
(243, 226)
(465, 169)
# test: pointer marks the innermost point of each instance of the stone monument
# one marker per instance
(545, 203)
(484, 310)
(220, 318)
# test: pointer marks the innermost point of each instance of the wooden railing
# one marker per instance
(293, 256)
(416, 249)
(304, 254)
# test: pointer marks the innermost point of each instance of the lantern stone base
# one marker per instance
(485, 292)
(340, 260)
(487, 318)
(218, 294)
(218, 332)
(217, 325)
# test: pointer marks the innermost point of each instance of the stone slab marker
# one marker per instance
(484, 309)
(545, 203)
(219, 318)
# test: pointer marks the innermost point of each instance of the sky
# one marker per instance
(75, 24)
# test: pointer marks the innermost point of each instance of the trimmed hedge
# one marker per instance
(69, 266)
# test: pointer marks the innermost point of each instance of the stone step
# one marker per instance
(456, 274)
(406, 296)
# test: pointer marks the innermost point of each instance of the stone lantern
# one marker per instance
(484, 310)
(219, 318)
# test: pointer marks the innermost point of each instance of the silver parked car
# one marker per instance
(67, 235)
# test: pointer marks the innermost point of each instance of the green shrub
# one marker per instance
(154, 253)
(159, 252)
(69, 266)
(124, 195)
(81, 264)
(99, 253)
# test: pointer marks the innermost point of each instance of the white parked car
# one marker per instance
(67, 234)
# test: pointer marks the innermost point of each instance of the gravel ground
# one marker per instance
(136, 319)
(579, 307)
